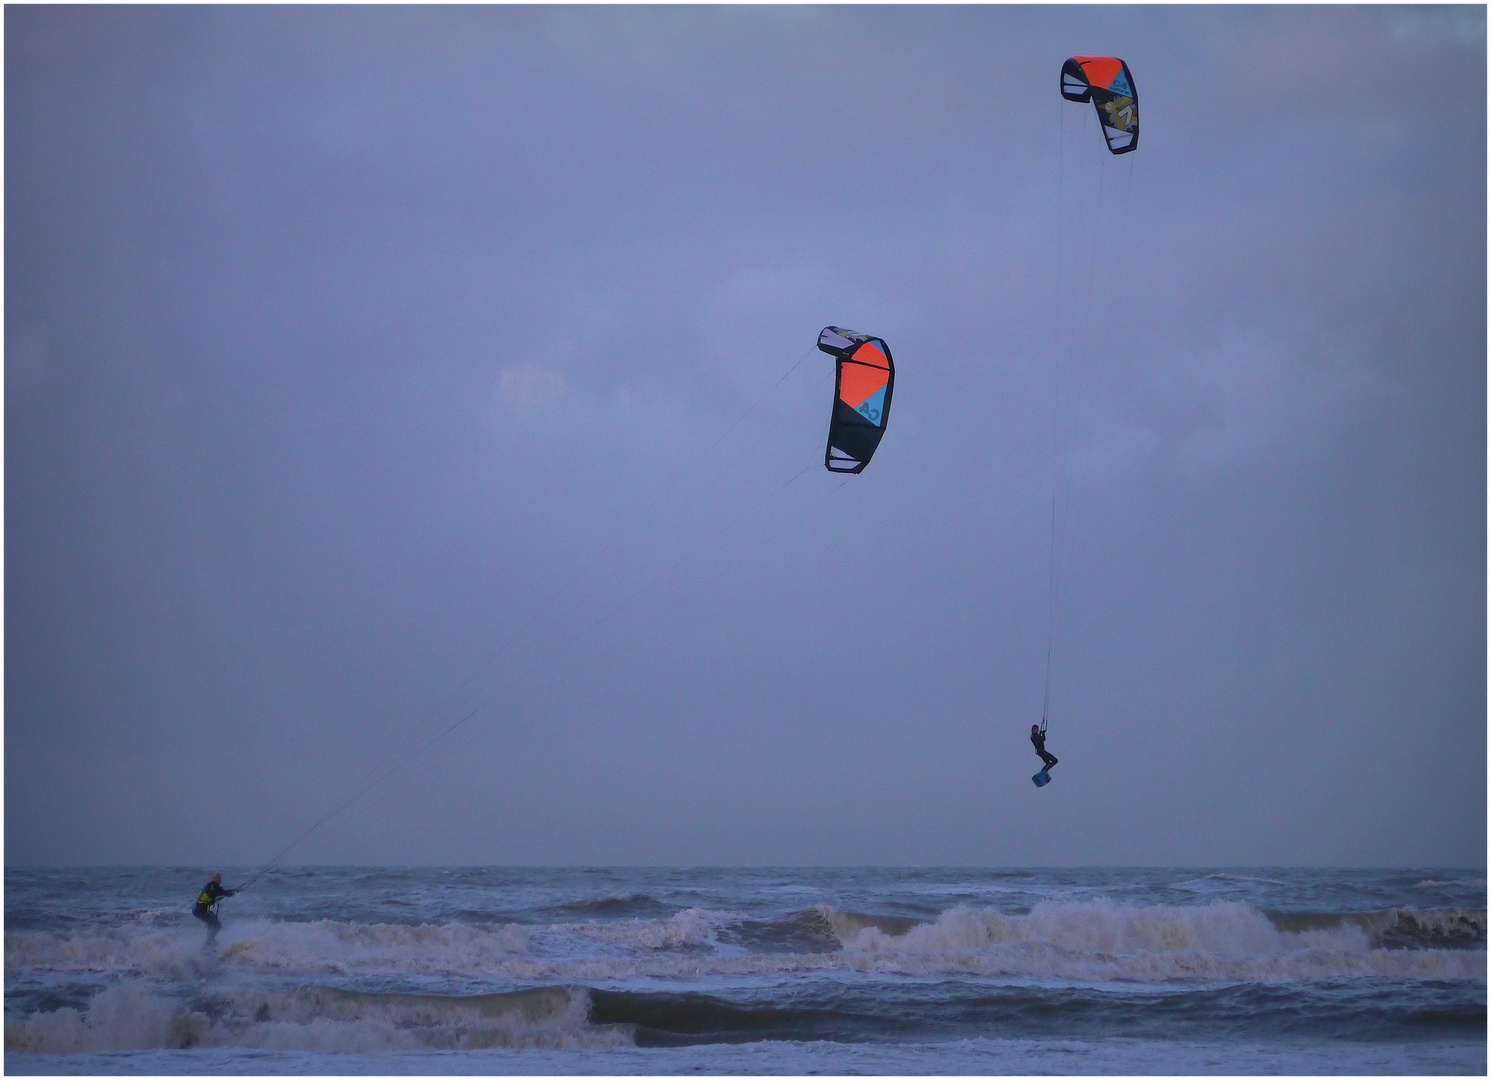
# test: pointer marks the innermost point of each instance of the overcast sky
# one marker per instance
(368, 365)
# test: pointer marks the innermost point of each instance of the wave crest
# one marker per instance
(1077, 940)
(1102, 940)
(1401, 928)
(693, 927)
(130, 1017)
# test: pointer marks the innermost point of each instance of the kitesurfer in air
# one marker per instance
(1038, 738)
(206, 907)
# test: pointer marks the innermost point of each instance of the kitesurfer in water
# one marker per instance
(1038, 738)
(206, 908)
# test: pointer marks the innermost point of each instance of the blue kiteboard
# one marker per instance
(1042, 778)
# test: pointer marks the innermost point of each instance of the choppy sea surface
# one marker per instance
(659, 971)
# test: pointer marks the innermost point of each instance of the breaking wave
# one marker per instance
(846, 925)
(618, 904)
(270, 985)
(691, 928)
(1102, 940)
(1081, 940)
(130, 1016)
(1402, 928)
(322, 1019)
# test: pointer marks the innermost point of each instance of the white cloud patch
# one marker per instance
(529, 386)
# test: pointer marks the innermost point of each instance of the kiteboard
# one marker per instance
(1042, 778)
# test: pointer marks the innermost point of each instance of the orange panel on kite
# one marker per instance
(858, 383)
(1100, 70)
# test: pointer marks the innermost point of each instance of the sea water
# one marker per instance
(658, 971)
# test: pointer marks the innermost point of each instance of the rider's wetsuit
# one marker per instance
(1039, 739)
(206, 907)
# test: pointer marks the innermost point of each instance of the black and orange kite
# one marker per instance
(1106, 82)
(864, 380)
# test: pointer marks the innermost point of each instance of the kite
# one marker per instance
(1107, 83)
(862, 389)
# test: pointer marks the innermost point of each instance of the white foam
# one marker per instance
(1072, 940)
(324, 945)
(123, 1017)
(1434, 926)
(1099, 940)
(685, 943)
(131, 1017)
(691, 927)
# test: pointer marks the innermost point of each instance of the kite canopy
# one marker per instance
(862, 389)
(1106, 82)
